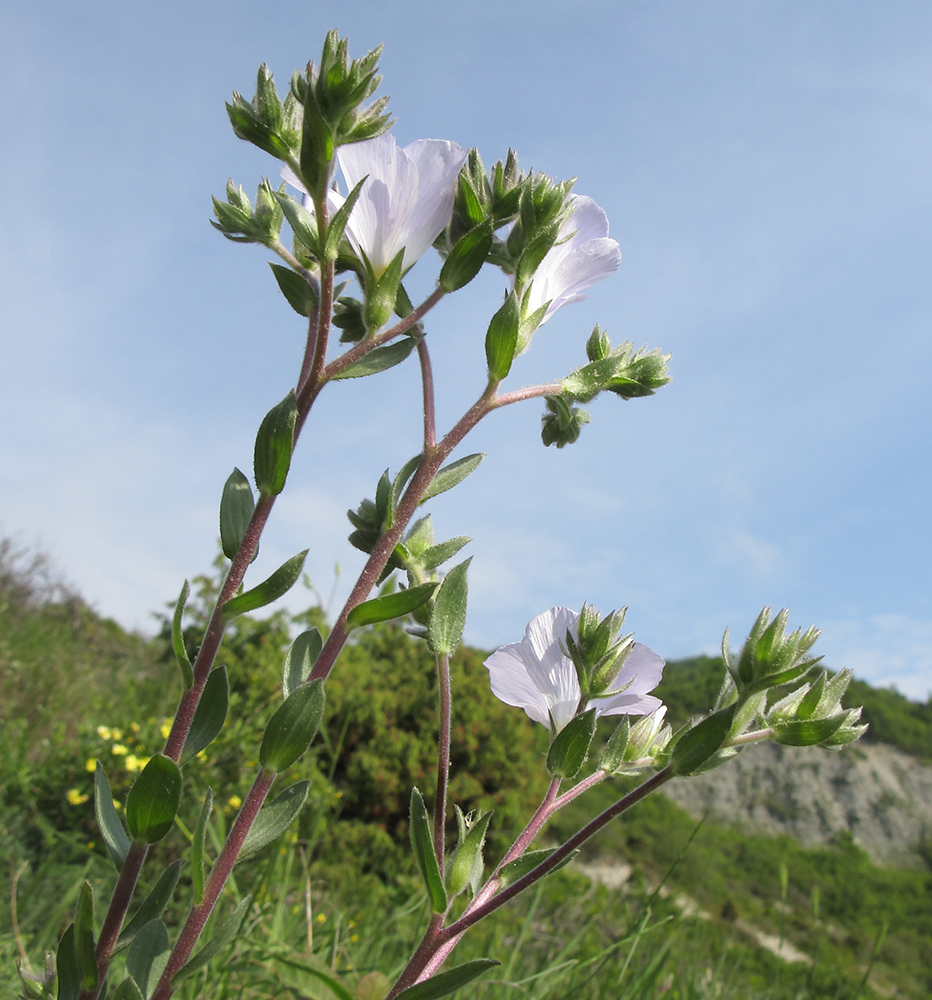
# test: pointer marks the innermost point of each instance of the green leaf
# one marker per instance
(236, 507)
(438, 554)
(467, 864)
(199, 847)
(84, 938)
(148, 956)
(154, 904)
(300, 660)
(807, 732)
(181, 654)
(292, 727)
(274, 445)
(111, 827)
(338, 223)
(302, 222)
(383, 609)
(274, 819)
(69, 976)
(277, 585)
(698, 744)
(153, 800)
(452, 475)
(613, 756)
(448, 982)
(209, 716)
(422, 843)
(501, 339)
(296, 289)
(466, 258)
(127, 990)
(517, 869)
(380, 359)
(448, 616)
(225, 934)
(570, 746)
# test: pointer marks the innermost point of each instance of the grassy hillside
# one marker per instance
(74, 687)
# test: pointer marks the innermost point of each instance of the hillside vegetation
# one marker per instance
(686, 923)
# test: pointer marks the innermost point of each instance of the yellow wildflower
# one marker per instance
(90, 764)
(235, 801)
(119, 750)
(134, 763)
(166, 728)
(104, 732)
(75, 798)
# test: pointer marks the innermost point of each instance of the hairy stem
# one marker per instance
(443, 757)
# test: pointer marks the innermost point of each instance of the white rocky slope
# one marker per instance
(879, 794)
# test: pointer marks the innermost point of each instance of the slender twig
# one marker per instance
(427, 382)
(443, 757)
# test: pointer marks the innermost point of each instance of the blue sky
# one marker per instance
(766, 169)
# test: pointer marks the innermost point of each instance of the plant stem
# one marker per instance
(443, 757)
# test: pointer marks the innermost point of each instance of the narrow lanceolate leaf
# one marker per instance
(698, 744)
(69, 977)
(148, 956)
(296, 289)
(225, 934)
(154, 904)
(338, 223)
(209, 716)
(153, 800)
(448, 982)
(300, 660)
(302, 222)
(383, 609)
(274, 819)
(274, 444)
(236, 507)
(127, 990)
(292, 727)
(451, 475)
(84, 938)
(438, 554)
(807, 732)
(514, 870)
(111, 827)
(501, 339)
(199, 848)
(422, 843)
(570, 746)
(379, 360)
(277, 585)
(181, 654)
(448, 616)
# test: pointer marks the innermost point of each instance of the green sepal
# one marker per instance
(236, 507)
(303, 223)
(517, 869)
(225, 934)
(300, 660)
(389, 606)
(698, 744)
(109, 822)
(452, 475)
(290, 730)
(380, 297)
(199, 848)
(181, 653)
(209, 716)
(807, 732)
(298, 291)
(448, 982)
(84, 938)
(613, 756)
(501, 339)
(153, 800)
(570, 747)
(422, 843)
(274, 819)
(448, 615)
(277, 585)
(69, 976)
(338, 223)
(274, 445)
(810, 700)
(127, 990)
(467, 863)
(148, 956)
(561, 422)
(154, 904)
(379, 360)
(466, 258)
